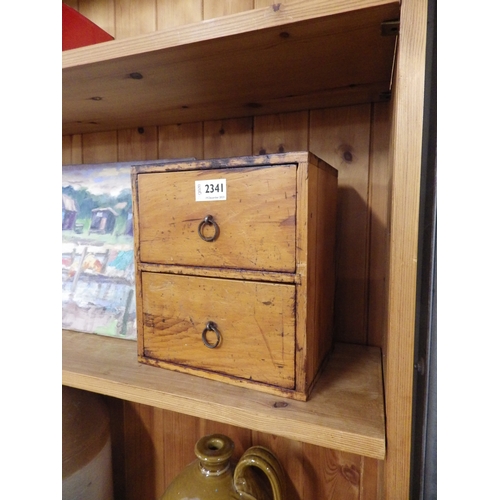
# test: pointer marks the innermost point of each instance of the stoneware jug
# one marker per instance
(257, 476)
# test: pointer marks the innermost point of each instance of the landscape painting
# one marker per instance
(98, 290)
(98, 280)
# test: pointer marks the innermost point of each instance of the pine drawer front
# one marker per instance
(256, 221)
(255, 323)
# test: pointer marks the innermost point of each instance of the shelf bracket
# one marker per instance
(389, 28)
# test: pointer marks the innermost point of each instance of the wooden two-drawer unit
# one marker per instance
(235, 268)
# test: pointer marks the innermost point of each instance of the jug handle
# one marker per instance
(263, 459)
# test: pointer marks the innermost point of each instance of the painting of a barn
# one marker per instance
(97, 253)
(129, 227)
(69, 213)
(103, 220)
(98, 274)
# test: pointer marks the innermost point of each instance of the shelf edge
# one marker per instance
(350, 431)
(256, 19)
(313, 434)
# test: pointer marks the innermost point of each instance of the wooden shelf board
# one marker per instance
(285, 57)
(345, 411)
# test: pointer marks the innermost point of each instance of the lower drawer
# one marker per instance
(243, 329)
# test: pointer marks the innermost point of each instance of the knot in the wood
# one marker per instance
(350, 473)
(347, 156)
(280, 404)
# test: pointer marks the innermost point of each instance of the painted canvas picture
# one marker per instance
(98, 281)
(98, 290)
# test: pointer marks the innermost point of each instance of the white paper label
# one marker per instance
(210, 190)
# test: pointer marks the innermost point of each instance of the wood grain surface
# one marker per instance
(256, 221)
(345, 411)
(239, 70)
(255, 321)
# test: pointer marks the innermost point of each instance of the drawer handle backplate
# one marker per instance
(212, 327)
(208, 220)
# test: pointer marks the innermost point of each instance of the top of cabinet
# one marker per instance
(282, 58)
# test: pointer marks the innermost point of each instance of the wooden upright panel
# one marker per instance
(314, 472)
(66, 150)
(178, 12)
(322, 262)
(138, 144)
(219, 8)
(181, 141)
(72, 149)
(341, 136)
(406, 148)
(280, 133)
(134, 18)
(101, 147)
(378, 201)
(263, 3)
(100, 12)
(225, 138)
(141, 468)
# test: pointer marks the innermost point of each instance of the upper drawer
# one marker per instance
(255, 223)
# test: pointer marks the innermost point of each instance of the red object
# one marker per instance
(78, 31)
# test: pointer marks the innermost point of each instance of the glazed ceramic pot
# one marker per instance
(213, 476)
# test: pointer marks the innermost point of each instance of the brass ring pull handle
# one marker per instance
(208, 221)
(212, 327)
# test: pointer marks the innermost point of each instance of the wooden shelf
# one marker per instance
(286, 57)
(345, 411)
